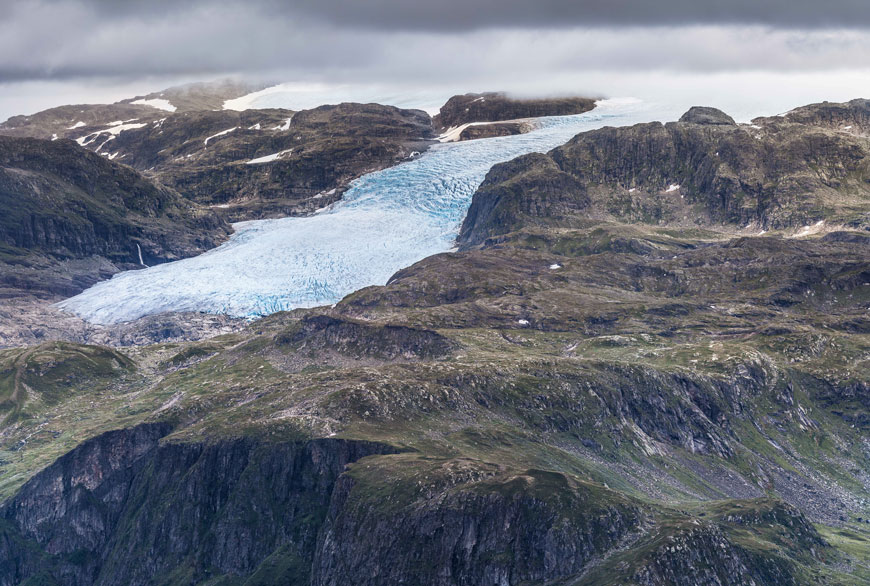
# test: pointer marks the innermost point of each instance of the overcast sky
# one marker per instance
(61, 51)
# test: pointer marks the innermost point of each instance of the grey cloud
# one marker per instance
(376, 40)
(453, 15)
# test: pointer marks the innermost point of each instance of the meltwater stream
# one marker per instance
(386, 221)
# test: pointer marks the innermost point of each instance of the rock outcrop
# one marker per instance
(701, 171)
(495, 106)
(125, 508)
(61, 203)
(706, 115)
(249, 164)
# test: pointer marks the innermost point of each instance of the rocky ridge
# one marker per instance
(702, 171)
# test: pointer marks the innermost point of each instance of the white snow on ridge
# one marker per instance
(386, 221)
(78, 124)
(269, 158)
(221, 133)
(285, 126)
(301, 96)
(114, 129)
(158, 103)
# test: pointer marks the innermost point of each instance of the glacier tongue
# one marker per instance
(386, 221)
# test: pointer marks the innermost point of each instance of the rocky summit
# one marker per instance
(473, 116)
(645, 363)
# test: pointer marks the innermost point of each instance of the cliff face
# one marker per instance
(701, 171)
(467, 526)
(61, 202)
(124, 509)
(60, 199)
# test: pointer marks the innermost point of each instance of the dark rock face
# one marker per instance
(529, 186)
(123, 509)
(61, 202)
(353, 338)
(682, 173)
(706, 115)
(529, 528)
(493, 106)
(496, 129)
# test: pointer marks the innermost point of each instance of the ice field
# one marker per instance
(386, 221)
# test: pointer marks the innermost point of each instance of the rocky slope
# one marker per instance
(701, 171)
(271, 163)
(249, 164)
(580, 396)
(73, 120)
(70, 217)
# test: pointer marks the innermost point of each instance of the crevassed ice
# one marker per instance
(386, 221)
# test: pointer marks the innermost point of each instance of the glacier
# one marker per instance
(386, 221)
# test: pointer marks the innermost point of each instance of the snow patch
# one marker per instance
(809, 230)
(114, 129)
(555, 267)
(221, 133)
(269, 158)
(78, 124)
(285, 126)
(158, 103)
(672, 188)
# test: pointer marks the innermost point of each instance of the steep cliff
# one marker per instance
(125, 508)
(62, 202)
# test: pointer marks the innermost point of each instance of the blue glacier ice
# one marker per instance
(386, 221)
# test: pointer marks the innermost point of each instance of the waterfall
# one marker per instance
(139, 250)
